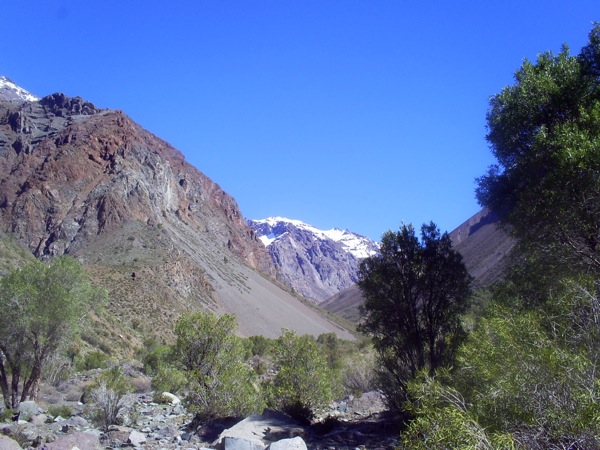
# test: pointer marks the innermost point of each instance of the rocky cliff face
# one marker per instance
(315, 263)
(78, 172)
(157, 233)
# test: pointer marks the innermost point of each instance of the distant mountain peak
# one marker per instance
(9, 91)
(359, 246)
(317, 263)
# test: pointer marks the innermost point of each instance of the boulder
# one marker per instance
(136, 438)
(39, 419)
(28, 409)
(241, 443)
(259, 429)
(80, 440)
(7, 443)
(296, 443)
(172, 398)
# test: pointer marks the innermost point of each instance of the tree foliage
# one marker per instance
(545, 134)
(211, 355)
(526, 377)
(523, 379)
(41, 306)
(444, 420)
(303, 381)
(415, 292)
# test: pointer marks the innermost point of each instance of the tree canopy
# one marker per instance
(41, 306)
(415, 291)
(212, 358)
(545, 134)
(527, 375)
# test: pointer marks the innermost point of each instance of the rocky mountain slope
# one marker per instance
(157, 233)
(483, 245)
(316, 263)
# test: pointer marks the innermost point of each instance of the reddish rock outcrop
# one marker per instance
(71, 171)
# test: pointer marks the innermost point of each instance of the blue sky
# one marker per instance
(352, 114)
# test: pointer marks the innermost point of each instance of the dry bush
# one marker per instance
(109, 405)
(358, 373)
(141, 384)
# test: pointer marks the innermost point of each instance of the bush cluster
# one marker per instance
(219, 374)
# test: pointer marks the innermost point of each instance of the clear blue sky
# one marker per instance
(350, 114)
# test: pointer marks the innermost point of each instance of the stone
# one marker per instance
(115, 438)
(7, 443)
(172, 398)
(28, 409)
(296, 443)
(76, 422)
(136, 438)
(39, 419)
(241, 443)
(264, 428)
(79, 440)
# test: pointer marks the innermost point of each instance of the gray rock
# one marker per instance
(296, 443)
(136, 438)
(241, 443)
(28, 409)
(265, 428)
(80, 440)
(7, 443)
(76, 422)
(39, 419)
(172, 398)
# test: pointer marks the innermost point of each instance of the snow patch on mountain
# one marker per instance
(268, 239)
(315, 263)
(359, 246)
(11, 92)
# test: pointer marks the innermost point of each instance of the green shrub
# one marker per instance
(94, 360)
(169, 379)
(259, 345)
(443, 420)
(156, 357)
(303, 380)
(63, 411)
(211, 355)
(57, 369)
(7, 414)
(358, 373)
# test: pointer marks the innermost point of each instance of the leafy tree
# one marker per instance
(415, 292)
(545, 134)
(211, 355)
(303, 380)
(41, 306)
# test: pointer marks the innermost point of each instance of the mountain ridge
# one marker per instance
(157, 233)
(316, 263)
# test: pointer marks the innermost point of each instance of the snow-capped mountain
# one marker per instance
(9, 91)
(316, 263)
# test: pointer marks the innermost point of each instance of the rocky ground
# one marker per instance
(347, 424)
